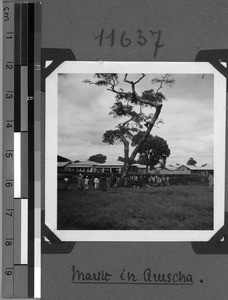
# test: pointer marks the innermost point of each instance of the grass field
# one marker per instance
(157, 208)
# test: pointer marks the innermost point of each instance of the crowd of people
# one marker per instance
(145, 181)
(103, 182)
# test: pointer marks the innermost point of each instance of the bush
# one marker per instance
(188, 179)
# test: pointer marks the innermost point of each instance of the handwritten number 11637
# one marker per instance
(124, 40)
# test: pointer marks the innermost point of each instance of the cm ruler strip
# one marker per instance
(8, 152)
(21, 224)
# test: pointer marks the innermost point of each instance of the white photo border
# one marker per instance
(51, 145)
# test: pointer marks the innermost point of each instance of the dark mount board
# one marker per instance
(57, 56)
(215, 57)
(190, 31)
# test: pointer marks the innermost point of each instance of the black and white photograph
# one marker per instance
(135, 151)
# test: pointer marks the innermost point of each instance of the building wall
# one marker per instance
(108, 169)
(183, 170)
(79, 169)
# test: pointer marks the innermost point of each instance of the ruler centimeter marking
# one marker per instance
(31, 149)
(21, 138)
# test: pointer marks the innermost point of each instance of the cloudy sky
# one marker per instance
(83, 117)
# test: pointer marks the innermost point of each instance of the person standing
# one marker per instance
(80, 183)
(66, 183)
(113, 180)
(153, 180)
(96, 183)
(156, 180)
(86, 183)
(211, 180)
(103, 184)
(163, 180)
(159, 181)
(117, 181)
(109, 181)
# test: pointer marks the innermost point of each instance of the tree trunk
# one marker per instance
(126, 156)
(125, 172)
(128, 164)
(147, 163)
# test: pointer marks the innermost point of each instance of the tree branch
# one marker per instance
(147, 102)
(140, 99)
(126, 122)
(112, 89)
(143, 75)
(123, 139)
(133, 82)
(165, 79)
(161, 83)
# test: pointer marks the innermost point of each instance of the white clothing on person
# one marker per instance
(96, 183)
(86, 183)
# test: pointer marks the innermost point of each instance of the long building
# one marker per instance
(115, 167)
(82, 166)
(112, 167)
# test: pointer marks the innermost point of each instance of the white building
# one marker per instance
(196, 170)
(110, 167)
(82, 166)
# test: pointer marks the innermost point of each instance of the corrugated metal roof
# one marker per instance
(171, 168)
(190, 167)
(63, 163)
(113, 163)
(85, 163)
(206, 168)
(95, 164)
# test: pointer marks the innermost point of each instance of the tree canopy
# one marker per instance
(191, 162)
(154, 150)
(99, 158)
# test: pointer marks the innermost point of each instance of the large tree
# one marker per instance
(130, 105)
(99, 158)
(154, 150)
